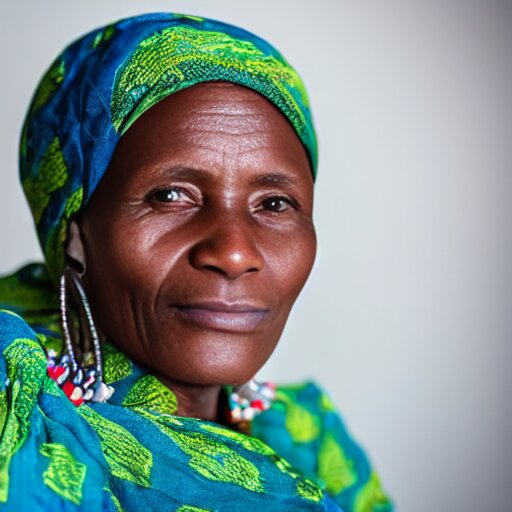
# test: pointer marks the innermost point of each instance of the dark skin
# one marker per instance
(202, 237)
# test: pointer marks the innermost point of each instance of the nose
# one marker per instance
(228, 247)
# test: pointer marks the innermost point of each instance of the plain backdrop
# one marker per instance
(406, 319)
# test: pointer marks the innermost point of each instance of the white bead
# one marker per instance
(248, 414)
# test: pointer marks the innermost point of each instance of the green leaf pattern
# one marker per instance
(209, 457)
(127, 458)
(26, 370)
(51, 176)
(334, 468)
(64, 475)
(149, 393)
(177, 57)
(302, 425)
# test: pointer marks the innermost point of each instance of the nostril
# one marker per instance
(213, 268)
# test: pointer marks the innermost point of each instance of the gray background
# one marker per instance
(406, 318)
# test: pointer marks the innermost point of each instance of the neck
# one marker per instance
(195, 401)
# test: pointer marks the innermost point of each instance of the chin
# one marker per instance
(213, 364)
(213, 375)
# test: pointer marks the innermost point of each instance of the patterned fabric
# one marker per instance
(133, 453)
(105, 80)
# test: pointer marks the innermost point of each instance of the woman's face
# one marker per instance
(200, 235)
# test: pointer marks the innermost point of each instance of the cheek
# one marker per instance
(128, 255)
(292, 261)
(118, 271)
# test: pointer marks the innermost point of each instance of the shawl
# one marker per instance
(133, 452)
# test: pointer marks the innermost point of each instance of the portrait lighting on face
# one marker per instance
(203, 226)
(169, 164)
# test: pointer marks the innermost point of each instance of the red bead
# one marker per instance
(257, 404)
(78, 401)
(68, 388)
(55, 371)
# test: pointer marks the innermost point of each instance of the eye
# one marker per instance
(168, 195)
(277, 204)
(173, 198)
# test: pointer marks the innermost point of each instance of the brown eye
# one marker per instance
(169, 195)
(276, 204)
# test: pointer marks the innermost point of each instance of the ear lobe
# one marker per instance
(75, 253)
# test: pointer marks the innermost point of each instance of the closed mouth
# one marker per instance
(235, 317)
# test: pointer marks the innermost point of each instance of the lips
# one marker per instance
(232, 317)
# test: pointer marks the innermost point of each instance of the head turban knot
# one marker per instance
(101, 83)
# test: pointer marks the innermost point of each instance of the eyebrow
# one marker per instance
(274, 179)
(183, 172)
(265, 179)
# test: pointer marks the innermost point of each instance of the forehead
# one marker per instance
(215, 125)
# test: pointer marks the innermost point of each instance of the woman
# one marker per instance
(169, 163)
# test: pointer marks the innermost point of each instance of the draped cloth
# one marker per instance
(133, 452)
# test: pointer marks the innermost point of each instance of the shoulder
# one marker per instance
(307, 399)
(306, 393)
(21, 353)
(13, 326)
(303, 407)
(14, 330)
(26, 299)
(28, 291)
(305, 423)
(296, 422)
(29, 312)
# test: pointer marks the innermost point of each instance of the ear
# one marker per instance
(75, 253)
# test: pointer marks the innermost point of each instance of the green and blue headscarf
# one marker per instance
(101, 83)
(134, 452)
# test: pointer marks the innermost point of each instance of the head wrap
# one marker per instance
(101, 83)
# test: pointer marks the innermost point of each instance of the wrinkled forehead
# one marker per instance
(213, 129)
(103, 82)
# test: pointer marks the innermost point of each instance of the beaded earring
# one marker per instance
(250, 399)
(79, 371)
